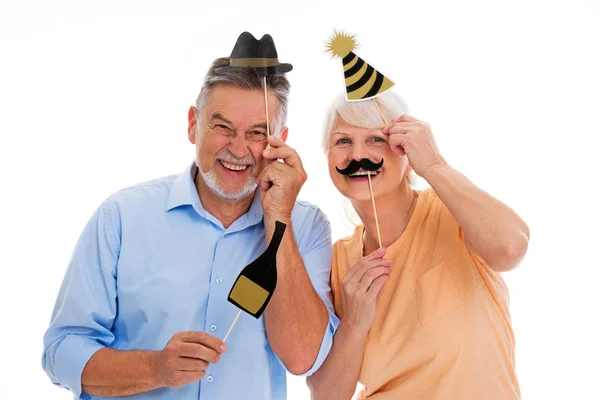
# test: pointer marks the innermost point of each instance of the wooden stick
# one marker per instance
(266, 107)
(374, 209)
(232, 324)
(371, 186)
(380, 113)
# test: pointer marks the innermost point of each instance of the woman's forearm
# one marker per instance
(492, 229)
(337, 377)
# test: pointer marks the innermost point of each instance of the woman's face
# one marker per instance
(348, 142)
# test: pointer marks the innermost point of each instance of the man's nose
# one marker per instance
(239, 146)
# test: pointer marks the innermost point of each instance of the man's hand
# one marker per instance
(186, 357)
(408, 135)
(280, 182)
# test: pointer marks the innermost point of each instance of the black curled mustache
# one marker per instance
(364, 163)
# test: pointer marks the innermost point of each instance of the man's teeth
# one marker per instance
(364, 173)
(233, 167)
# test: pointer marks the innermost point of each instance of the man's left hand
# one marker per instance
(280, 182)
(408, 135)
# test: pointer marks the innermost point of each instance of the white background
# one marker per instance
(94, 97)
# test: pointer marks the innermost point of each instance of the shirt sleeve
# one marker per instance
(317, 261)
(86, 305)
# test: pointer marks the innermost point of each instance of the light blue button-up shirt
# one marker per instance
(152, 262)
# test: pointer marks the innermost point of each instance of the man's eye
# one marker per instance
(257, 136)
(221, 126)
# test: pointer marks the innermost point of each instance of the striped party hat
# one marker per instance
(362, 80)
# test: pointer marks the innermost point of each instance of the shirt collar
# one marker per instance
(183, 192)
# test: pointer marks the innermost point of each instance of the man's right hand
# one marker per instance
(186, 357)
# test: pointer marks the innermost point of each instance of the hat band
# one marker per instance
(253, 62)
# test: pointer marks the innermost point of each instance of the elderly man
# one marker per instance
(143, 306)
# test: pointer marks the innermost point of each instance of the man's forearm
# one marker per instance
(112, 372)
(296, 317)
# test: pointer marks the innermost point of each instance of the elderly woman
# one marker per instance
(424, 316)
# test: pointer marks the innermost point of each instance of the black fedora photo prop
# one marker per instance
(261, 55)
(362, 82)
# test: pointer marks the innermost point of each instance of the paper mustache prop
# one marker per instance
(354, 166)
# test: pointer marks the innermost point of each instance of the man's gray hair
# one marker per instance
(246, 78)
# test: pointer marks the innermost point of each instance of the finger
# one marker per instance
(276, 142)
(377, 254)
(184, 377)
(285, 153)
(397, 143)
(406, 118)
(375, 287)
(198, 351)
(404, 128)
(191, 364)
(266, 178)
(371, 275)
(205, 339)
(275, 172)
(368, 265)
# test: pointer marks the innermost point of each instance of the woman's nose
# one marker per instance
(358, 152)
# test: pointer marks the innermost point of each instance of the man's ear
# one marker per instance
(284, 134)
(192, 125)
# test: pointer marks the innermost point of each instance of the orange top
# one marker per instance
(442, 327)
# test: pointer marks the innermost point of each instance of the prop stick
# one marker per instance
(361, 84)
(374, 209)
(232, 324)
(380, 113)
(266, 107)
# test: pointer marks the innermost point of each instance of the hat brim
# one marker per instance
(274, 70)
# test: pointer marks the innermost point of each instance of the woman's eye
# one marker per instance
(343, 141)
(378, 139)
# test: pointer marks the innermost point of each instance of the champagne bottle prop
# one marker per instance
(255, 285)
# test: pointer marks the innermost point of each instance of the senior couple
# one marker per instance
(143, 307)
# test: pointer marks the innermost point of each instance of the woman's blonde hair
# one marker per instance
(363, 114)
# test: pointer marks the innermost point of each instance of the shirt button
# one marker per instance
(209, 379)
(219, 281)
(213, 327)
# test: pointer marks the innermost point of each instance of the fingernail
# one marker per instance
(223, 347)
(381, 250)
(267, 151)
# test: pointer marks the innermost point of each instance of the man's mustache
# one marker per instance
(364, 163)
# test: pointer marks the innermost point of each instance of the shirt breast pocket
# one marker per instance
(436, 294)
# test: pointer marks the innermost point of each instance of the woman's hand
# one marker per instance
(360, 288)
(408, 135)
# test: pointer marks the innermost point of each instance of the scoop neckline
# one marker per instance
(358, 234)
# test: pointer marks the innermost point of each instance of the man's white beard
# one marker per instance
(210, 178)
